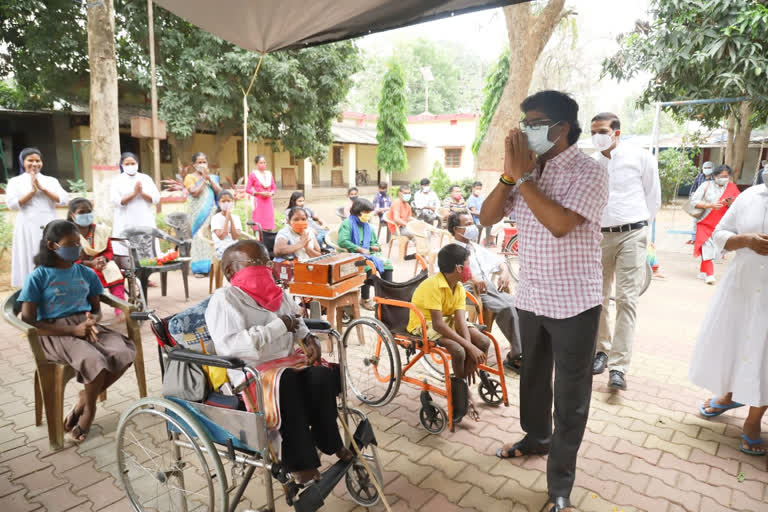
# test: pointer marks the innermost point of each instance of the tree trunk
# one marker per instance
(105, 128)
(528, 35)
(741, 139)
(729, 137)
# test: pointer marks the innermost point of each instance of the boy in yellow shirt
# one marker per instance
(441, 298)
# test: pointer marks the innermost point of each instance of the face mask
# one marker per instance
(457, 196)
(406, 197)
(352, 198)
(466, 274)
(477, 193)
(707, 171)
(84, 219)
(364, 217)
(425, 190)
(471, 232)
(299, 226)
(226, 206)
(68, 253)
(602, 141)
(130, 170)
(721, 182)
(538, 140)
(262, 166)
(200, 167)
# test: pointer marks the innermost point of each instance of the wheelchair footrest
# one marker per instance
(313, 496)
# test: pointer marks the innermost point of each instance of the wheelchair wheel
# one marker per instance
(166, 461)
(372, 361)
(433, 418)
(433, 368)
(491, 393)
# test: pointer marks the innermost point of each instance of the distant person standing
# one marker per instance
(133, 195)
(426, 202)
(35, 196)
(352, 195)
(704, 175)
(475, 204)
(633, 201)
(261, 185)
(382, 203)
(203, 189)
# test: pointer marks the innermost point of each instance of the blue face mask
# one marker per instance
(471, 232)
(84, 219)
(406, 197)
(68, 253)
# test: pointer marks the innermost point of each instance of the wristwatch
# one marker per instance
(526, 177)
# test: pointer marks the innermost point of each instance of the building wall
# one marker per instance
(439, 135)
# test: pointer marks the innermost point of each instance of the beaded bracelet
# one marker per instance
(506, 181)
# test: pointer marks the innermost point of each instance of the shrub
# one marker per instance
(77, 186)
(6, 233)
(676, 168)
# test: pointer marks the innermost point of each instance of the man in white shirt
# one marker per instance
(426, 203)
(635, 197)
(485, 266)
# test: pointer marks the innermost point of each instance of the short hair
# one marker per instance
(454, 187)
(450, 256)
(608, 116)
(293, 211)
(477, 184)
(559, 106)
(240, 245)
(403, 188)
(359, 206)
(352, 189)
(424, 181)
(75, 204)
(721, 168)
(383, 186)
(454, 221)
(53, 232)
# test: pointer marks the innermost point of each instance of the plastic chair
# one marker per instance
(51, 378)
(332, 239)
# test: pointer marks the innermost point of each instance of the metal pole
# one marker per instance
(245, 139)
(656, 130)
(152, 72)
(426, 97)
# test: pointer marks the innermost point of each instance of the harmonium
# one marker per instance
(328, 276)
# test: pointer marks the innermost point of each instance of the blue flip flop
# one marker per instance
(750, 444)
(720, 408)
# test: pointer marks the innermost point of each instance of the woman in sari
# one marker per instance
(714, 197)
(356, 235)
(261, 185)
(96, 247)
(203, 189)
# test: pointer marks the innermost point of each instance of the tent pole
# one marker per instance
(245, 121)
(153, 76)
(656, 129)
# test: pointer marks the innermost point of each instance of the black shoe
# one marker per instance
(616, 380)
(599, 364)
(560, 503)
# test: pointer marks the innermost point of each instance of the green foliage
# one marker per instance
(201, 78)
(677, 167)
(439, 180)
(495, 82)
(457, 86)
(6, 232)
(77, 186)
(466, 186)
(699, 49)
(391, 132)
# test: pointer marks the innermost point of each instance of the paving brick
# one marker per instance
(668, 476)
(477, 499)
(655, 429)
(719, 493)
(449, 466)
(728, 465)
(483, 461)
(513, 493)
(705, 446)
(103, 493)
(6, 486)
(698, 471)
(415, 473)
(442, 504)
(749, 485)
(710, 424)
(511, 469)
(25, 464)
(602, 487)
(411, 494)
(62, 498)
(648, 454)
(636, 480)
(681, 450)
(594, 451)
(485, 481)
(687, 499)
(742, 501)
(17, 502)
(84, 476)
(637, 438)
(710, 505)
(627, 497)
(40, 481)
(442, 484)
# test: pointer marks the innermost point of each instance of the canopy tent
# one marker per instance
(267, 25)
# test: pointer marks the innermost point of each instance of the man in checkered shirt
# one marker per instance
(557, 194)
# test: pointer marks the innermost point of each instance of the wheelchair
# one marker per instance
(175, 454)
(375, 369)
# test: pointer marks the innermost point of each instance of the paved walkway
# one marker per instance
(645, 449)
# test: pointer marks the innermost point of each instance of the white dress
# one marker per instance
(137, 212)
(731, 353)
(32, 218)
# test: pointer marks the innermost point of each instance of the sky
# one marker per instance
(599, 23)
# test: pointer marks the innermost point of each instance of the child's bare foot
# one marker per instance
(306, 475)
(345, 455)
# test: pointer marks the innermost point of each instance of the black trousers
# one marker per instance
(308, 413)
(365, 291)
(568, 345)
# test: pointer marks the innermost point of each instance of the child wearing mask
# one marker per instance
(296, 239)
(225, 225)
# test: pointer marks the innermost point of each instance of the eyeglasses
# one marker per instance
(538, 123)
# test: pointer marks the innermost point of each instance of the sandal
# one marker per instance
(559, 504)
(720, 408)
(513, 363)
(71, 419)
(521, 447)
(77, 434)
(750, 443)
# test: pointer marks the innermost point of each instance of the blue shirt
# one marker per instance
(700, 178)
(382, 201)
(59, 292)
(475, 202)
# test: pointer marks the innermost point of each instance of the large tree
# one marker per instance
(201, 78)
(529, 27)
(703, 49)
(391, 132)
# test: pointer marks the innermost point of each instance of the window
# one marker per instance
(294, 160)
(453, 157)
(338, 156)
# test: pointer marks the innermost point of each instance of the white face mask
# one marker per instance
(721, 182)
(130, 170)
(602, 141)
(226, 206)
(538, 138)
(425, 190)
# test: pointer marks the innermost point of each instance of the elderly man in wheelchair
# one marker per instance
(258, 322)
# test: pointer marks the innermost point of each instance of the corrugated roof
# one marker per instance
(346, 134)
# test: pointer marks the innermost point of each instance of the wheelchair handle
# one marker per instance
(145, 315)
(188, 356)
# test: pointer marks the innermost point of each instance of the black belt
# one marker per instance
(625, 227)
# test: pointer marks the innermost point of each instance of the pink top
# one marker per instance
(263, 208)
(562, 277)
